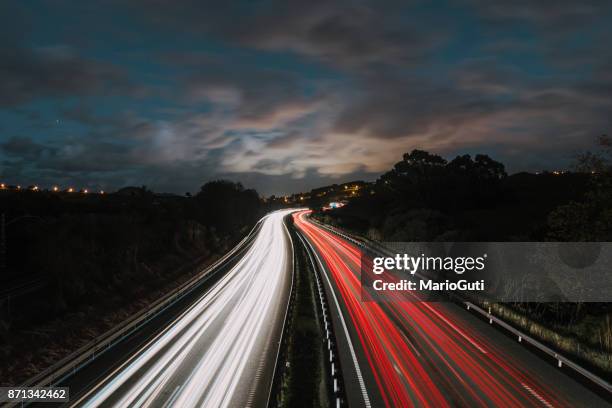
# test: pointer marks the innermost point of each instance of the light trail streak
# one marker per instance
(417, 355)
(210, 354)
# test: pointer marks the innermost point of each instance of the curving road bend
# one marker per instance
(423, 354)
(221, 351)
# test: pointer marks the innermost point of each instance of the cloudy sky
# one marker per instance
(286, 96)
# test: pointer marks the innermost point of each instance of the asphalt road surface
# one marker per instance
(422, 354)
(220, 350)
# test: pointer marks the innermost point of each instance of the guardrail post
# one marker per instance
(486, 312)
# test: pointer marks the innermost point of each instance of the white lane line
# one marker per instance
(364, 392)
(212, 294)
(193, 324)
(537, 396)
(173, 396)
(246, 325)
(278, 350)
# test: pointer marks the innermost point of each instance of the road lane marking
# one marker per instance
(194, 322)
(364, 392)
(537, 396)
(173, 396)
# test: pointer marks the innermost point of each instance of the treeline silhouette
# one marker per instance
(96, 255)
(427, 198)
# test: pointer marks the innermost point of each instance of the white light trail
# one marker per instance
(210, 354)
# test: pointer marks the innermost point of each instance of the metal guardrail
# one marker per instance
(337, 384)
(281, 351)
(87, 353)
(561, 360)
(360, 241)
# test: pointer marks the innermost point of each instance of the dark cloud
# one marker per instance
(53, 72)
(288, 95)
(484, 100)
(394, 107)
(342, 33)
(562, 12)
(70, 156)
(22, 147)
(253, 95)
(289, 139)
(349, 34)
(83, 114)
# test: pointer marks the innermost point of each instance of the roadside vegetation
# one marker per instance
(100, 258)
(427, 198)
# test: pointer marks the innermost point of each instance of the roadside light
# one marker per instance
(55, 189)
(70, 190)
(35, 188)
(101, 191)
(18, 187)
(85, 191)
(2, 185)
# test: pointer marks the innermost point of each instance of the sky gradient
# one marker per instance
(287, 96)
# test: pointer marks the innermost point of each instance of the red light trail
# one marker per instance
(418, 355)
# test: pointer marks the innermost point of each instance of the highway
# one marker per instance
(421, 354)
(221, 350)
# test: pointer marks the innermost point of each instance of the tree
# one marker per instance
(591, 219)
(228, 206)
(462, 164)
(425, 180)
(599, 161)
(420, 161)
(487, 168)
